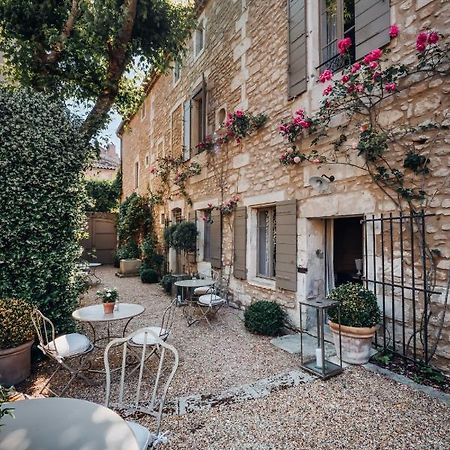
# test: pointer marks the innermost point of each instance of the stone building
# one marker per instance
(106, 167)
(294, 233)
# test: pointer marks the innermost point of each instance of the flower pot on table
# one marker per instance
(356, 342)
(108, 308)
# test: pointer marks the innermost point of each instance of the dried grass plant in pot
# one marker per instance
(16, 338)
(359, 319)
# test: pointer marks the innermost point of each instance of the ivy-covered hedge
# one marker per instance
(103, 195)
(42, 197)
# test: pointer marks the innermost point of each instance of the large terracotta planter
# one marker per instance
(15, 364)
(356, 342)
(130, 266)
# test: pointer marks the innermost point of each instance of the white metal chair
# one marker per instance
(62, 349)
(214, 275)
(139, 395)
(208, 305)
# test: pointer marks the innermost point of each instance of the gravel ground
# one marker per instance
(357, 410)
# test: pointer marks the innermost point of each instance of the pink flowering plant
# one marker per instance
(228, 206)
(240, 124)
(207, 144)
(357, 95)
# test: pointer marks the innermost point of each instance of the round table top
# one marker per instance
(195, 283)
(95, 313)
(92, 264)
(64, 424)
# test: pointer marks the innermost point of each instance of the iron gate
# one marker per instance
(397, 269)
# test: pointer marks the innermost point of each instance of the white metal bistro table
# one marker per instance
(187, 302)
(95, 314)
(64, 424)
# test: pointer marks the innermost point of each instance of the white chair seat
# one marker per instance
(202, 290)
(140, 338)
(69, 345)
(142, 435)
(210, 300)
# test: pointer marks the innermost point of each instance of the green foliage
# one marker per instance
(166, 283)
(185, 237)
(264, 317)
(42, 197)
(359, 307)
(108, 295)
(168, 234)
(103, 195)
(42, 51)
(151, 259)
(135, 218)
(130, 250)
(16, 326)
(149, 276)
(4, 398)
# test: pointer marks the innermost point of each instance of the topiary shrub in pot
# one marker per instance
(359, 319)
(264, 317)
(149, 275)
(16, 338)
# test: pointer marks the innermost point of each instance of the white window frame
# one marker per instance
(270, 250)
(201, 28)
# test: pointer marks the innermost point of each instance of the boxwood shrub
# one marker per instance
(149, 276)
(264, 317)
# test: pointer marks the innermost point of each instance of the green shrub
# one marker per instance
(265, 318)
(135, 218)
(42, 215)
(151, 259)
(185, 237)
(103, 195)
(166, 283)
(149, 276)
(130, 250)
(16, 326)
(359, 307)
(168, 234)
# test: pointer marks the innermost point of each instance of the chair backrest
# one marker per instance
(142, 386)
(45, 331)
(167, 318)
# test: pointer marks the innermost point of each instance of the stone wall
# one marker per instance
(245, 66)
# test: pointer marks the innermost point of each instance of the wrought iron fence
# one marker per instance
(397, 269)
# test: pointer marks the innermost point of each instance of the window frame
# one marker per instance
(206, 241)
(201, 29)
(176, 72)
(272, 245)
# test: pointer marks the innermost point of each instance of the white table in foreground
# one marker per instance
(64, 424)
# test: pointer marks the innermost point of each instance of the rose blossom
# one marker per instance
(326, 75)
(433, 37)
(359, 87)
(300, 112)
(305, 124)
(345, 78)
(343, 45)
(328, 90)
(390, 87)
(356, 67)
(316, 161)
(239, 113)
(373, 65)
(297, 159)
(394, 31)
(372, 56)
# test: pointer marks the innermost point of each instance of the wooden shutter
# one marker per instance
(297, 47)
(216, 239)
(187, 130)
(372, 21)
(286, 240)
(240, 243)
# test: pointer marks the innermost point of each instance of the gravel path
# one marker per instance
(357, 410)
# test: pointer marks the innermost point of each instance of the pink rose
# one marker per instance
(356, 67)
(373, 65)
(316, 161)
(300, 112)
(345, 78)
(394, 31)
(359, 87)
(343, 45)
(390, 87)
(305, 124)
(376, 54)
(351, 88)
(297, 159)
(422, 37)
(297, 120)
(326, 75)
(376, 75)
(239, 113)
(420, 47)
(433, 37)
(328, 90)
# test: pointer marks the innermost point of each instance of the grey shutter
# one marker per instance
(286, 240)
(216, 239)
(204, 109)
(297, 47)
(372, 21)
(187, 130)
(240, 243)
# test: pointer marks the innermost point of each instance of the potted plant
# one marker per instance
(109, 298)
(16, 338)
(359, 318)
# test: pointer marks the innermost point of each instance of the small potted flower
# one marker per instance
(359, 318)
(109, 298)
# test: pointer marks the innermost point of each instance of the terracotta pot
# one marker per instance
(108, 308)
(356, 342)
(15, 364)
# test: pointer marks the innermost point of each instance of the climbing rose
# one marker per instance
(297, 159)
(343, 45)
(327, 90)
(394, 31)
(239, 113)
(356, 67)
(433, 37)
(326, 75)
(372, 56)
(305, 124)
(421, 41)
(390, 87)
(359, 87)
(373, 65)
(300, 112)
(345, 78)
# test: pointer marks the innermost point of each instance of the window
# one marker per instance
(220, 118)
(198, 119)
(143, 110)
(176, 72)
(199, 39)
(163, 219)
(176, 215)
(207, 241)
(337, 22)
(136, 175)
(266, 250)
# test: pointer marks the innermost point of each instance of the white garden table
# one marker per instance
(64, 424)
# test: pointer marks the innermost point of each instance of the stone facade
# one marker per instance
(107, 166)
(245, 65)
